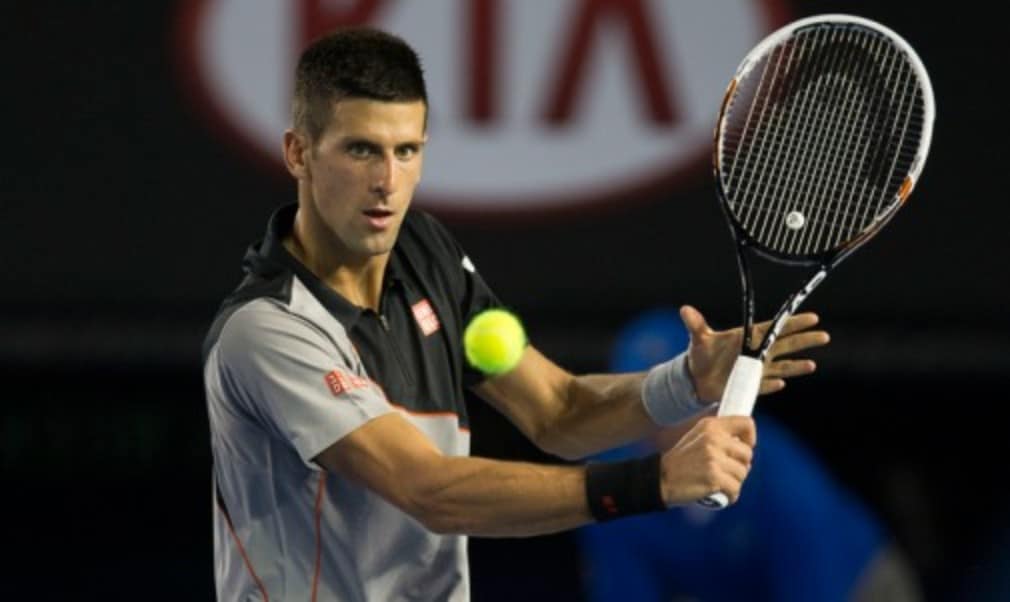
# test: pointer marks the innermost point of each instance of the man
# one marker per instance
(334, 376)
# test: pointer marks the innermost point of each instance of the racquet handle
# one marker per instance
(737, 400)
(715, 501)
(742, 387)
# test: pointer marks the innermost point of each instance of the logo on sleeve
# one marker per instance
(340, 383)
(426, 318)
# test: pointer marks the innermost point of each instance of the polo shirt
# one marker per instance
(291, 367)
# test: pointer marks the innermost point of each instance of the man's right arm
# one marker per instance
(278, 366)
(478, 496)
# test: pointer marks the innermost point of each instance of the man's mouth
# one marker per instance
(378, 218)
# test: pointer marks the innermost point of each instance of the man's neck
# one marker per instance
(359, 280)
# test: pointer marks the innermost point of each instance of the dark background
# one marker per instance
(125, 218)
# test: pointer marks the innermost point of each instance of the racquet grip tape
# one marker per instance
(737, 400)
(742, 387)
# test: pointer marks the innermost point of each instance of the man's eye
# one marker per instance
(406, 152)
(359, 151)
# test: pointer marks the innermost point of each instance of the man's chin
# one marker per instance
(363, 245)
(377, 246)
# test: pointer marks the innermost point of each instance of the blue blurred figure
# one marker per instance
(794, 535)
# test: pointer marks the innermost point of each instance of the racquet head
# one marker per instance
(821, 136)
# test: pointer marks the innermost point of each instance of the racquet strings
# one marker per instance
(819, 137)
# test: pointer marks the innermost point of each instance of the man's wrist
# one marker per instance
(668, 392)
(616, 489)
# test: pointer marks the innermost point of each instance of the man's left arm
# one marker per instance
(566, 415)
(576, 416)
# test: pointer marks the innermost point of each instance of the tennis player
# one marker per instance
(334, 376)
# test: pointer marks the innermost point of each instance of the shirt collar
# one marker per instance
(269, 256)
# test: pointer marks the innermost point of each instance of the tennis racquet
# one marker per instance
(821, 136)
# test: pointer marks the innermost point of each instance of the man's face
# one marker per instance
(361, 174)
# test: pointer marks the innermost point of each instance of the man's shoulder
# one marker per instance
(253, 292)
(266, 325)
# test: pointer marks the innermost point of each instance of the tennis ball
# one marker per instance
(494, 341)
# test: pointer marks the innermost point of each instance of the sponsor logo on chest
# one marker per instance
(427, 319)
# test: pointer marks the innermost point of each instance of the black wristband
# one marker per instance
(616, 489)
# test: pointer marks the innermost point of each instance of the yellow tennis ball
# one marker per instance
(494, 341)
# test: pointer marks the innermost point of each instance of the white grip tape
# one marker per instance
(716, 501)
(737, 400)
(742, 387)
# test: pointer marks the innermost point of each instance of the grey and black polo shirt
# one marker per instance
(290, 367)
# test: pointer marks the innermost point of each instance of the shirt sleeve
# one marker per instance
(300, 384)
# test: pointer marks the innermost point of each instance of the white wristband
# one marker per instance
(668, 393)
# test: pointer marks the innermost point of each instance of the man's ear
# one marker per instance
(296, 148)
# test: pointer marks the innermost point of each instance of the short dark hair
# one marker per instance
(353, 63)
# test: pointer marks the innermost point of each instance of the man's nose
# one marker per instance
(384, 176)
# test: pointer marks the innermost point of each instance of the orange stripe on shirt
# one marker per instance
(241, 550)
